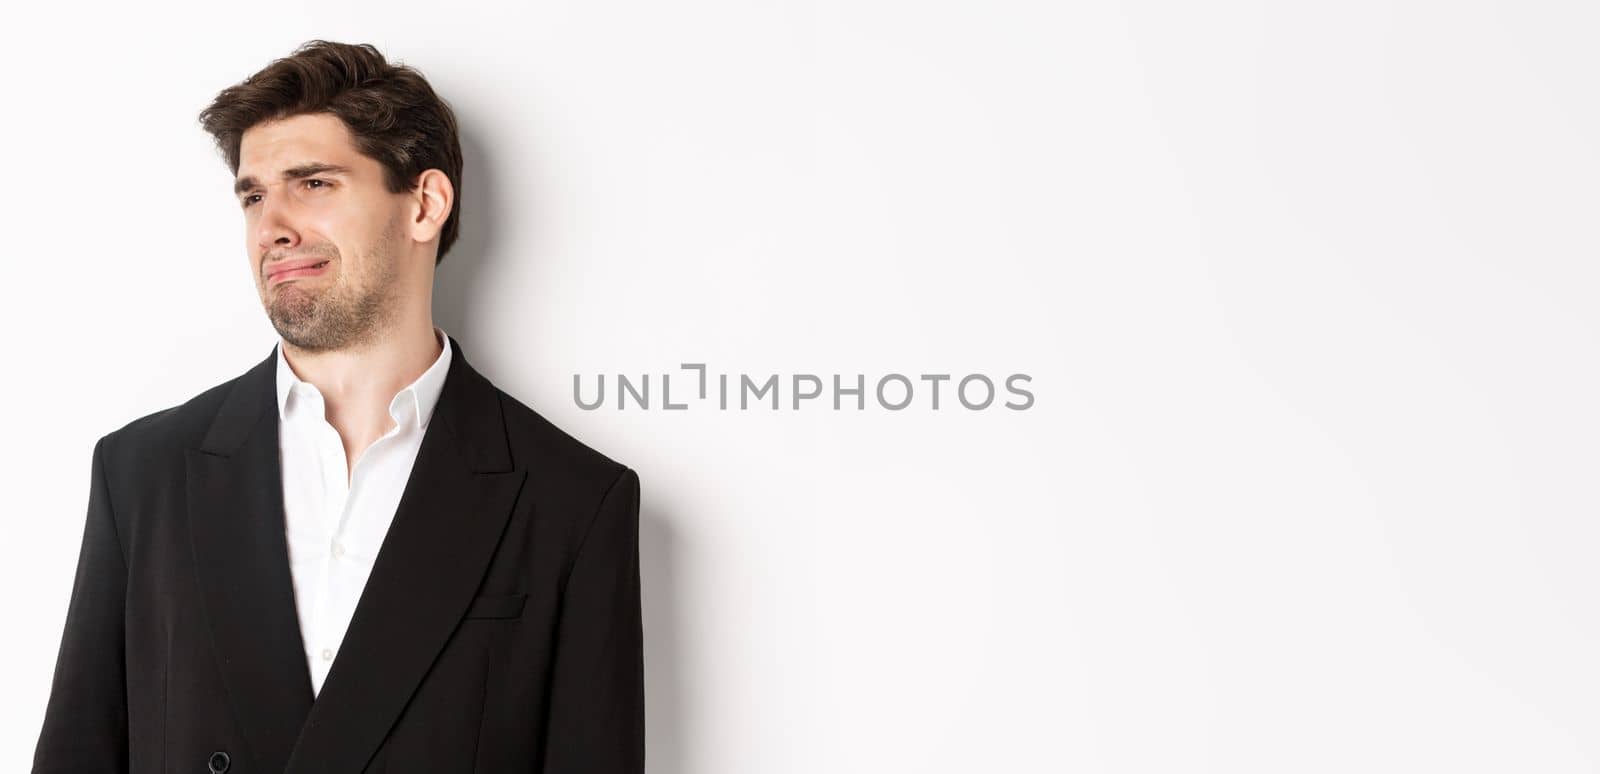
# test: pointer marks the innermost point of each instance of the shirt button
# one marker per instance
(327, 654)
(338, 550)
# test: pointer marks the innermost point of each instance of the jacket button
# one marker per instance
(219, 762)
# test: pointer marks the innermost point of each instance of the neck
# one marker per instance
(360, 381)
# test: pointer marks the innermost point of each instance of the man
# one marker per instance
(360, 555)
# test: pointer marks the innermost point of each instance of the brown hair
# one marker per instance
(392, 113)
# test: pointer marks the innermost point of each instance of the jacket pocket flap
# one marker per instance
(496, 606)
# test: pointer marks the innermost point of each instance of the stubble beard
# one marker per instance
(345, 314)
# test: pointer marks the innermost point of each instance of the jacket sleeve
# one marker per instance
(86, 719)
(596, 709)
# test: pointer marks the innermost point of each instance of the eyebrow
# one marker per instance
(292, 173)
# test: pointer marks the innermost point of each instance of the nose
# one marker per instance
(275, 224)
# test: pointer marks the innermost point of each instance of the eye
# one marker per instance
(249, 200)
(320, 183)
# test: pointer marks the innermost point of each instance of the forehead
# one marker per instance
(294, 140)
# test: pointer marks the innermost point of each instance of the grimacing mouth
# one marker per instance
(313, 266)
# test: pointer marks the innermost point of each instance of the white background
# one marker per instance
(1306, 291)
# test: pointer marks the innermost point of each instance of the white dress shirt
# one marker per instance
(334, 524)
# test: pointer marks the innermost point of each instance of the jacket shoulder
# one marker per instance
(172, 428)
(566, 475)
(538, 443)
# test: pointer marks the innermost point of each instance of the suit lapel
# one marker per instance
(449, 520)
(242, 560)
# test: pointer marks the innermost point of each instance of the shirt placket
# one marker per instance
(336, 500)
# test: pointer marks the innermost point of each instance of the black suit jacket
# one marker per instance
(500, 629)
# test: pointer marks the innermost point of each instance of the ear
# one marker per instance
(432, 201)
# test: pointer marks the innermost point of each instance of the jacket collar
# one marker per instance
(462, 490)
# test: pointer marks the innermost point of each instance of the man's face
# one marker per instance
(322, 231)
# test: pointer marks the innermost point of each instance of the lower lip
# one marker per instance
(297, 273)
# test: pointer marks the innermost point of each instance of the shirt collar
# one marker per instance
(420, 395)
